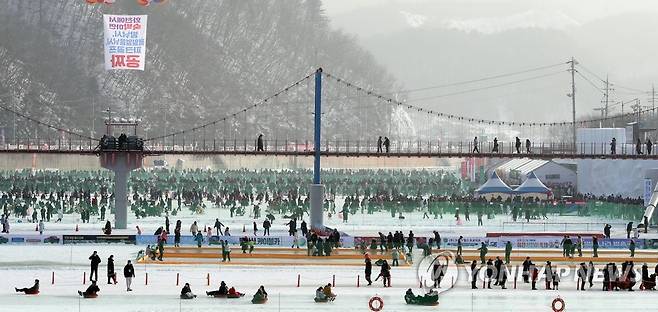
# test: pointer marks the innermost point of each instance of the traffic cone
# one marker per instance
(76, 228)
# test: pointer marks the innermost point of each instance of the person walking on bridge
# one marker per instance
(649, 146)
(495, 146)
(387, 144)
(517, 144)
(638, 147)
(379, 144)
(259, 143)
(475, 146)
(613, 146)
(527, 146)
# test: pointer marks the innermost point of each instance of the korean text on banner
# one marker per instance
(125, 41)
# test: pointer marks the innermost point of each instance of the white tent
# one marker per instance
(493, 188)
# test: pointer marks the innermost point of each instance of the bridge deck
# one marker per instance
(409, 154)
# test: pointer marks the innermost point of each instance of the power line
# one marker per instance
(589, 71)
(478, 80)
(487, 87)
(591, 83)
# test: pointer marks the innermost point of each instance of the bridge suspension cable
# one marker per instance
(50, 126)
(243, 110)
(400, 103)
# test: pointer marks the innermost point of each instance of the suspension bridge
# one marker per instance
(349, 134)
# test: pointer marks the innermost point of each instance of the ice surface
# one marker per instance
(19, 265)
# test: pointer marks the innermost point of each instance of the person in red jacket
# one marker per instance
(232, 293)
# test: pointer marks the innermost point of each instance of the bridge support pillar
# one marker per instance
(121, 163)
(317, 213)
(317, 189)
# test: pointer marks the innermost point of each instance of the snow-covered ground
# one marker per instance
(20, 265)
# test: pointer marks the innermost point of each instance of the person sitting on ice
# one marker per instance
(150, 252)
(327, 292)
(30, 291)
(232, 293)
(260, 296)
(409, 296)
(222, 291)
(91, 292)
(186, 292)
(261, 292)
(319, 294)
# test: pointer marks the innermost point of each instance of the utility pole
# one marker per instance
(607, 92)
(639, 110)
(653, 102)
(573, 98)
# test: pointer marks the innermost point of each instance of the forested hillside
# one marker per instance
(205, 59)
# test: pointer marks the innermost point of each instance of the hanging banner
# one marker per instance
(125, 41)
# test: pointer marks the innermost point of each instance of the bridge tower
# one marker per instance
(316, 188)
(121, 160)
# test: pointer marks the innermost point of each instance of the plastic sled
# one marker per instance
(234, 296)
(259, 300)
(87, 296)
(424, 300)
(32, 292)
(327, 299)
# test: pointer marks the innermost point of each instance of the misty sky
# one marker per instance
(495, 13)
(420, 43)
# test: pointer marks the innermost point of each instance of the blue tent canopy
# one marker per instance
(494, 185)
(532, 185)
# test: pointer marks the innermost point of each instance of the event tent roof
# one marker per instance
(532, 185)
(523, 165)
(494, 185)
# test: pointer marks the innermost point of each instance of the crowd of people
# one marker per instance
(49, 195)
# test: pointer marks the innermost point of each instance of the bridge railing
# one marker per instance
(355, 147)
(397, 147)
(49, 144)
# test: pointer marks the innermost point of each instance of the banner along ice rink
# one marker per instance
(21, 264)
